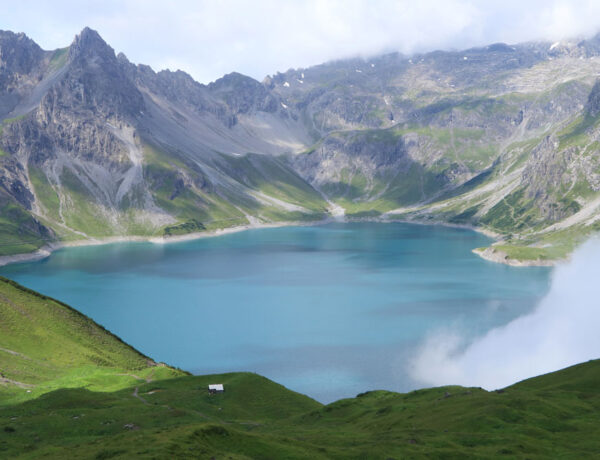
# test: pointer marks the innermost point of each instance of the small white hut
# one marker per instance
(216, 388)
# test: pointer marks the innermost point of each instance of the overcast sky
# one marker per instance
(209, 38)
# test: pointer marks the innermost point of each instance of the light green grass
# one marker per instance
(83, 213)
(17, 229)
(44, 192)
(93, 396)
(553, 416)
(59, 58)
(8, 121)
(46, 345)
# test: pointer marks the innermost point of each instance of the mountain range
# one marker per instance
(502, 138)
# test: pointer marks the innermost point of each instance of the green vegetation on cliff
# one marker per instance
(19, 232)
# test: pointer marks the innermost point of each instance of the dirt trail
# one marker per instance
(15, 353)
(6, 381)
(136, 395)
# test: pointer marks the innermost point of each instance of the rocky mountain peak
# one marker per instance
(243, 94)
(121, 57)
(501, 48)
(96, 80)
(234, 79)
(18, 53)
(176, 85)
(178, 77)
(89, 44)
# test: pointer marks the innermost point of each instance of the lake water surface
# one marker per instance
(329, 311)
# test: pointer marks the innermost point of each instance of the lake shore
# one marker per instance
(47, 250)
(487, 253)
(500, 257)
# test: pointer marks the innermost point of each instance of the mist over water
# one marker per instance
(561, 331)
(329, 311)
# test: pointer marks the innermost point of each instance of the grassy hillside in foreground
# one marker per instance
(552, 416)
(46, 345)
(92, 396)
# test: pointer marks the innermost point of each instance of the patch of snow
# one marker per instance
(302, 75)
(465, 58)
(284, 106)
(299, 81)
(554, 45)
(359, 71)
(286, 84)
(372, 65)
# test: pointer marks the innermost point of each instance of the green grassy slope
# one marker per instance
(19, 232)
(552, 416)
(45, 345)
(70, 388)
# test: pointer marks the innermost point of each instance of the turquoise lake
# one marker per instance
(329, 311)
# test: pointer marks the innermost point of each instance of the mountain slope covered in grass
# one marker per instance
(69, 388)
(46, 345)
(553, 416)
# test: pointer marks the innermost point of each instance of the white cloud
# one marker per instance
(209, 38)
(562, 331)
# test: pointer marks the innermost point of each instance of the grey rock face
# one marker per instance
(20, 62)
(130, 148)
(19, 55)
(180, 88)
(545, 173)
(243, 94)
(73, 114)
(13, 179)
(96, 81)
(592, 107)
